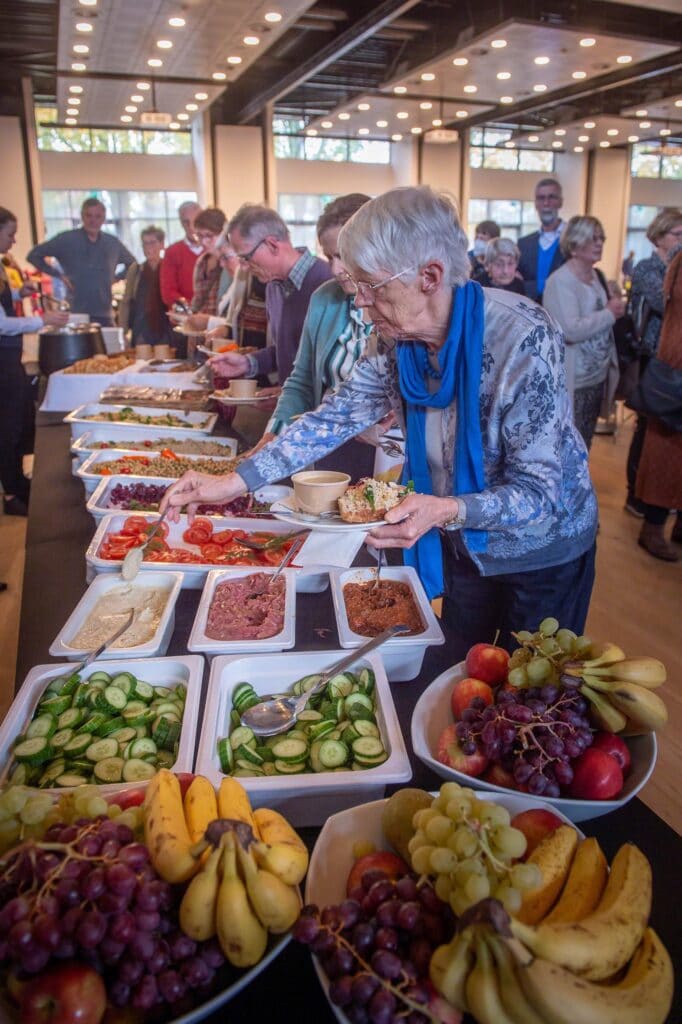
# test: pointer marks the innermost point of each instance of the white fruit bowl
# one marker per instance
(432, 713)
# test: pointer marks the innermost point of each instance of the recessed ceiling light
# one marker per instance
(154, 62)
(503, 75)
(557, 144)
(88, 3)
(219, 76)
(397, 137)
(382, 124)
(665, 131)
(183, 117)
(589, 124)
(559, 131)
(416, 130)
(126, 118)
(470, 88)
(234, 60)
(509, 144)
(83, 26)
(81, 48)
(326, 124)
(72, 111)
(426, 105)
(583, 138)
(436, 122)
(578, 149)
(164, 44)
(142, 86)
(402, 114)
(624, 58)
(641, 113)
(645, 124)
(541, 60)
(539, 88)
(506, 99)
(604, 144)
(251, 40)
(72, 120)
(498, 44)
(77, 66)
(533, 138)
(311, 131)
(460, 62)
(344, 116)
(74, 100)
(200, 95)
(588, 41)
(174, 125)
(461, 113)
(612, 131)
(428, 76)
(137, 98)
(364, 106)
(75, 88)
(191, 106)
(273, 17)
(633, 138)
(363, 131)
(130, 109)
(579, 74)
(177, 22)
(399, 89)
(678, 103)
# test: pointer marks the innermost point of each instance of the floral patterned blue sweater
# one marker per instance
(538, 506)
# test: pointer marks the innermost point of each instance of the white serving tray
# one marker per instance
(67, 390)
(169, 582)
(79, 425)
(91, 479)
(98, 502)
(433, 712)
(284, 640)
(314, 560)
(82, 448)
(403, 656)
(306, 799)
(156, 671)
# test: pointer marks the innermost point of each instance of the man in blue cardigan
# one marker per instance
(540, 251)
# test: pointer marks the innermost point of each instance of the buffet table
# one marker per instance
(59, 531)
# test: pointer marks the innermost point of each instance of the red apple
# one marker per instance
(615, 746)
(596, 776)
(381, 860)
(499, 776)
(464, 692)
(450, 753)
(487, 662)
(69, 994)
(440, 1009)
(535, 825)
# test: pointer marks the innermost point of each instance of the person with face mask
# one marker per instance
(485, 232)
(540, 251)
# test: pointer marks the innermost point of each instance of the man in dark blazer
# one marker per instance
(540, 251)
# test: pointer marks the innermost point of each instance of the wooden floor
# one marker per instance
(636, 603)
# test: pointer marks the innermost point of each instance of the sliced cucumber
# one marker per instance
(69, 780)
(290, 751)
(60, 739)
(126, 682)
(124, 734)
(289, 768)
(143, 748)
(162, 691)
(78, 744)
(80, 697)
(241, 735)
(339, 686)
(165, 759)
(368, 747)
(136, 770)
(33, 751)
(93, 723)
(333, 754)
(100, 750)
(44, 725)
(355, 699)
(99, 677)
(111, 726)
(115, 699)
(321, 729)
(70, 718)
(225, 755)
(53, 770)
(248, 754)
(109, 770)
(309, 716)
(143, 690)
(367, 680)
(55, 705)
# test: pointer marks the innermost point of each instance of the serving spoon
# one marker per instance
(94, 655)
(133, 558)
(271, 717)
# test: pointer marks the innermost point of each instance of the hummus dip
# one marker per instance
(247, 609)
(111, 611)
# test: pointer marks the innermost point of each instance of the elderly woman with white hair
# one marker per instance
(576, 295)
(503, 518)
(501, 262)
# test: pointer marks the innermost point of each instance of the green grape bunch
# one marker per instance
(540, 658)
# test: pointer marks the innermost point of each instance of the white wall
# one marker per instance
(441, 167)
(327, 176)
(655, 192)
(15, 195)
(238, 155)
(126, 171)
(608, 199)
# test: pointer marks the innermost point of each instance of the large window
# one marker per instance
(656, 160)
(292, 144)
(301, 212)
(127, 213)
(639, 219)
(515, 217)
(487, 149)
(107, 140)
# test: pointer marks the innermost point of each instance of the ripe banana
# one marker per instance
(282, 851)
(642, 706)
(482, 989)
(165, 829)
(233, 802)
(201, 807)
(242, 937)
(553, 856)
(604, 653)
(198, 906)
(584, 885)
(449, 969)
(643, 996)
(512, 995)
(602, 712)
(649, 672)
(603, 942)
(277, 905)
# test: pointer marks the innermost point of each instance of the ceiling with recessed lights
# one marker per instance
(374, 68)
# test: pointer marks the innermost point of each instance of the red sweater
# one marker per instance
(177, 269)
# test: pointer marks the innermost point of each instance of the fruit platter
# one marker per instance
(564, 719)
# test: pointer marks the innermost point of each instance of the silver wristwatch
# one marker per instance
(458, 520)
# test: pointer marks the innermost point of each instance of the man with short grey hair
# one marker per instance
(90, 261)
(540, 251)
(261, 241)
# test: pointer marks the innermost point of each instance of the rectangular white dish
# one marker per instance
(284, 640)
(314, 561)
(404, 655)
(67, 390)
(82, 446)
(198, 423)
(168, 672)
(91, 479)
(168, 582)
(306, 799)
(98, 502)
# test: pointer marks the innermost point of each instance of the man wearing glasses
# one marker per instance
(260, 240)
(540, 251)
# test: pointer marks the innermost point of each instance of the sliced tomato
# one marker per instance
(210, 552)
(136, 524)
(223, 537)
(166, 453)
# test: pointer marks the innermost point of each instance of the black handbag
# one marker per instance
(659, 394)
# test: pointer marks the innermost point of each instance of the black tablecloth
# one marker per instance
(59, 531)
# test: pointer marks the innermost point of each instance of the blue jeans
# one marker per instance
(475, 606)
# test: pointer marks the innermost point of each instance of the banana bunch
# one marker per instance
(620, 689)
(253, 862)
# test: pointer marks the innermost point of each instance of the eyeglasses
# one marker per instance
(550, 197)
(676, 233)
(368, 288)
(246, 257)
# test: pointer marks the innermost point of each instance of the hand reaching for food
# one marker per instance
(194, 489)
(229, 364)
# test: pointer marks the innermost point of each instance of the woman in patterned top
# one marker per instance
(503, 517)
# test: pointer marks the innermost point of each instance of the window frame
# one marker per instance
(485, 149)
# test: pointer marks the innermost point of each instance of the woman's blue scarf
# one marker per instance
(461, 362)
